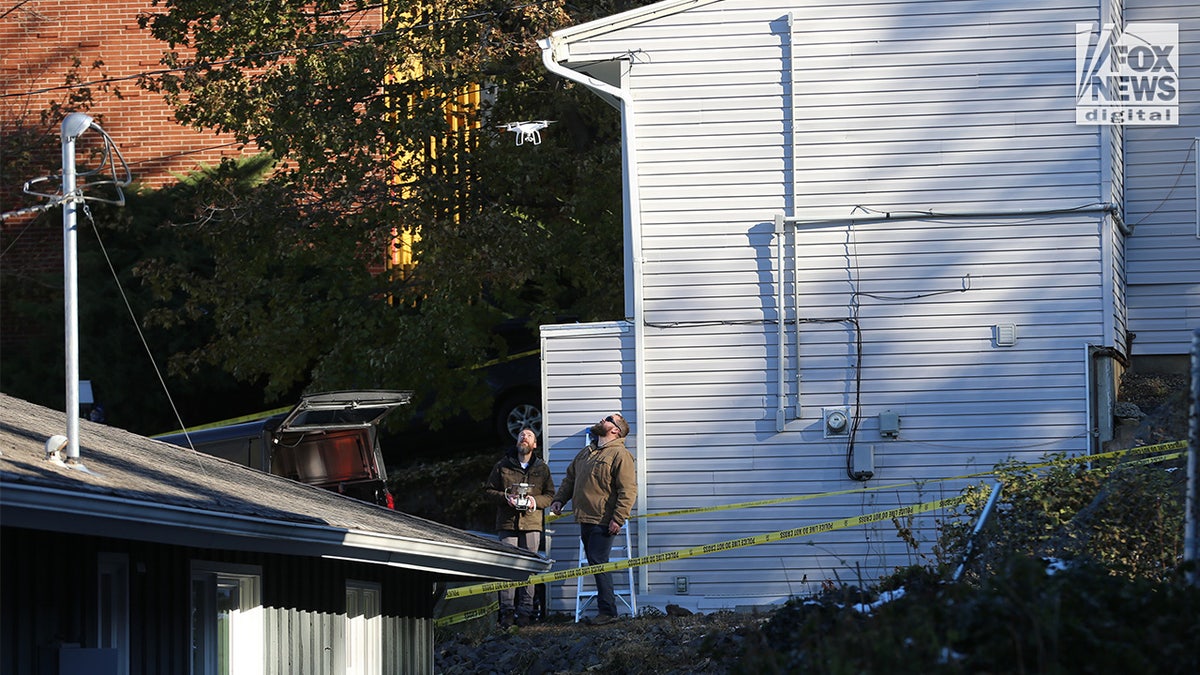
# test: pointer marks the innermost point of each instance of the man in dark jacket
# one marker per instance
(522, 487)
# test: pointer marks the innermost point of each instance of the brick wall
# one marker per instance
(39, 41)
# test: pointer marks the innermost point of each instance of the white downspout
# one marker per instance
(633, 220)
(781, 398)
(1088, 392)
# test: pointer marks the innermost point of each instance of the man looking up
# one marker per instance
(602, 482)
(521, 486)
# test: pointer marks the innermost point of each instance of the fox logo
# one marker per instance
(1127, 75)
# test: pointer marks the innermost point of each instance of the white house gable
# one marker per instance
(882, 208)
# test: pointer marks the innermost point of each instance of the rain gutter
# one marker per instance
(633, 220)
(84, 513)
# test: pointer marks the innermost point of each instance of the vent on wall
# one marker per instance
(1005, 334)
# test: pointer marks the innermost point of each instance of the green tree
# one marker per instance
(363, 123)
(113, 241)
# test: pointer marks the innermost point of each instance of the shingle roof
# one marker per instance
(139, 488)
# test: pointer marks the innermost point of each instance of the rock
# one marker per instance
(676, 610)
(1125, 410)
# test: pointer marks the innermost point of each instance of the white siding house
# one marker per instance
(1162, 203)
(884, 208)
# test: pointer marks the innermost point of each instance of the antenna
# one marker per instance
(74, 126)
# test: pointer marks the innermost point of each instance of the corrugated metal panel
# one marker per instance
(1160, 201)
(303, 601)
(416, 635)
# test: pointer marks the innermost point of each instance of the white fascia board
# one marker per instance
(40, 508)
(584, 329)
(563, 38)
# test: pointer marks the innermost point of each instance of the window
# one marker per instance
(227, 619)
(364, 629)
(112, 599)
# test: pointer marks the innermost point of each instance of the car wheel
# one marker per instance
(517, 413)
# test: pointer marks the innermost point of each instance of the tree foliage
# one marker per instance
(364, 124)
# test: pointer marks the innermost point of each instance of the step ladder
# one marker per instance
(628, 597)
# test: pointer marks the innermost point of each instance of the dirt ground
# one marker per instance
(652, 643)
(1162, 407)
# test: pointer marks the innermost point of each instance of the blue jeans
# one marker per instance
(597, 545)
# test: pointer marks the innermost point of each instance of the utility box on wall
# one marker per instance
(87, 661)
(863, 462)
(889, 424)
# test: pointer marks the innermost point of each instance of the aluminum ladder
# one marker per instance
(628, 597)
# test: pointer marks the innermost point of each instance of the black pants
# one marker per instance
(597, 545)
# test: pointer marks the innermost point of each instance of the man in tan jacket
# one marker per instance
(602, 483)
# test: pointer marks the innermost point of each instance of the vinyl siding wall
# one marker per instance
(955, 108)
(587, 371)
(1160, 198)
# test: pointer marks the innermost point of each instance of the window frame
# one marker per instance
(112, 606)
(362, 629)
(229, 641)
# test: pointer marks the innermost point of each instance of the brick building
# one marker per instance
(52, 53)
(41, 42)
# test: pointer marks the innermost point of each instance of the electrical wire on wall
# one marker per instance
(858, 351)
(855, 306)
(854, 321)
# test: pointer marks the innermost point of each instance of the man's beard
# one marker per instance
(524, 448)
(598, 429)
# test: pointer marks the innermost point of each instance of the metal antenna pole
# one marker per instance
(72, 127)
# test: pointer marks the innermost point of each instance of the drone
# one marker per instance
(527, 131)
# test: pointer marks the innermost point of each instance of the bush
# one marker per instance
(1078, 571)
(1020, 619)
(1127, 518)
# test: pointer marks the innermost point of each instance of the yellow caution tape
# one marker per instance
(229, 422)
(706, 549)
(477, 613)
(1151, 460)
(828, 526)
(1143, 450)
